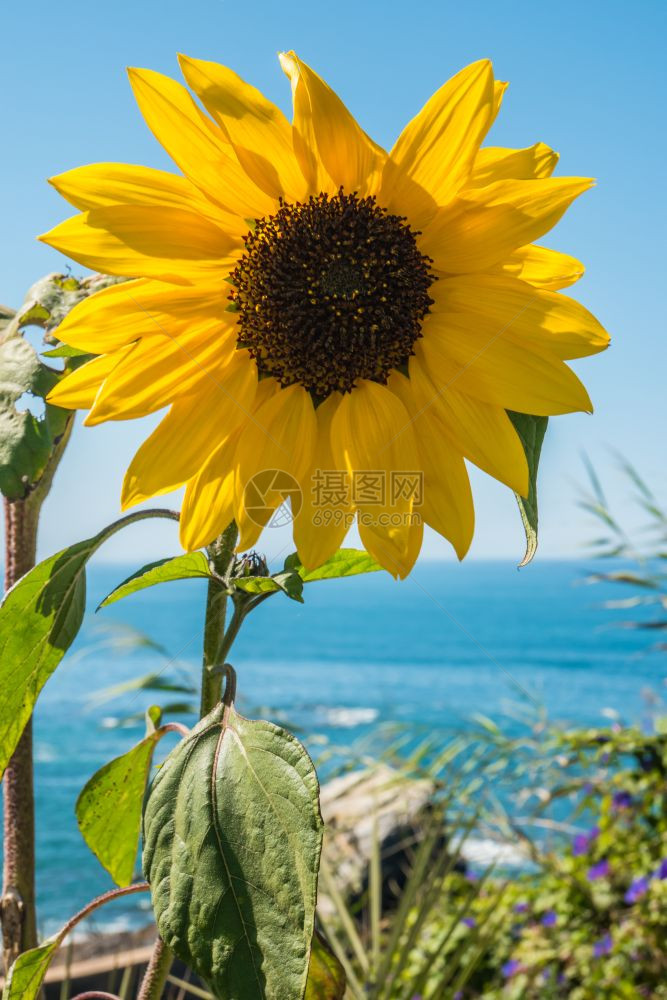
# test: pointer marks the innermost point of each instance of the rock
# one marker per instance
(378, 802)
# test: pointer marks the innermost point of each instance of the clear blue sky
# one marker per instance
(589, 79)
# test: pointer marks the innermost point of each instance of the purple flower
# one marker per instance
(599, 870)
(521, 907)
(510, 968)
(661, 871)
(469, 921)
(621, 800)
(582, 842)
(549, 919)
(603, 946)
(638, 887)
(458, 995)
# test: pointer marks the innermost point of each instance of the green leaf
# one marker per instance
(344, 562)
(326, 977)
(108, 809)
(185, 567)
(26, 441)
(289, 582)
(65, 351)
(256, 584)
(232, 840)
(39, 618)
(531, 430)
(27, 973)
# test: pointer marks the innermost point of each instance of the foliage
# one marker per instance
(232, 839)
(108, 810)
(585, 914)
(646, 554)
(28, 440)
(531, 431)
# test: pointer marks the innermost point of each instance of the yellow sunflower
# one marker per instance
(316, 311)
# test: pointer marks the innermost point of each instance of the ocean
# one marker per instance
(426, 655)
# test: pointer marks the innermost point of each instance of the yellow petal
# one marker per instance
(326, 130)
(436, 150)
(140, 241)
(280, 437)
(161, 369)
(196, 145)
(480, 431)
(323, 521)
(380, 543)
(541, 267)
(208, 504)
(493, 307)
(98, 185)
(497, 370)
(122, 313)
(499, 88)
(447, 503)
(493, 163)
(258, 131)
(77, 391)
(486, 224)
(372, 437)
(180, 444)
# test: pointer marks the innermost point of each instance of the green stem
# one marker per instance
(217, 643)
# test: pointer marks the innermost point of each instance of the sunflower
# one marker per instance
(318, 312)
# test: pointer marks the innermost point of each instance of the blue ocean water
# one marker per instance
(427, 653)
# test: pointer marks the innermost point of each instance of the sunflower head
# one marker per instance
(339, 322)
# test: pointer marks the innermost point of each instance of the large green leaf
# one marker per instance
(188, 566)
(26, 975)
(531, 430)
(344, 562)
(232, 839)
(39, 618)
(326, 977)
(108, 809)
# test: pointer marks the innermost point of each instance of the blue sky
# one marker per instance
(587, 79)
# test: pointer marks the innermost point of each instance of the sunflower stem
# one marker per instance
(17, 905)
(217, 642)
(155, 976)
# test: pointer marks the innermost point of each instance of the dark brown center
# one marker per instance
(329, 292)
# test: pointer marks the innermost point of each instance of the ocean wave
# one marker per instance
(347, 718)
